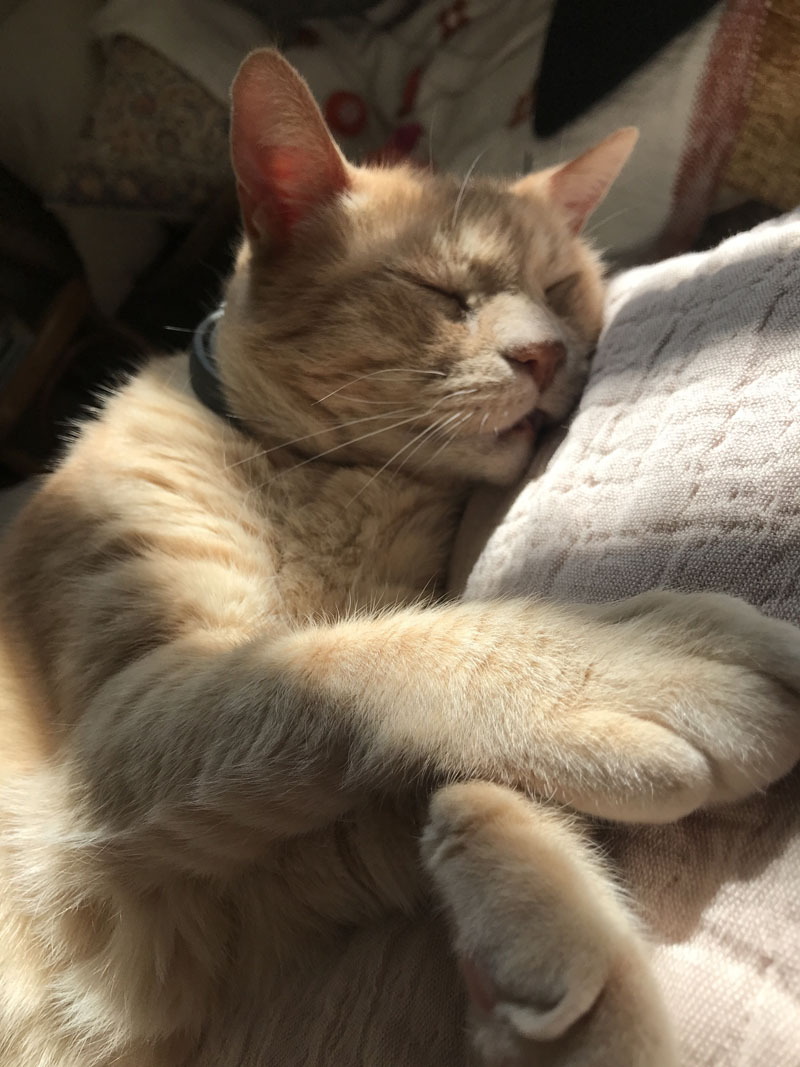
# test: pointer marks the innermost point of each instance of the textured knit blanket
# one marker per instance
(682, 469)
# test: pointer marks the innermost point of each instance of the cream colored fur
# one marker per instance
(249, 754)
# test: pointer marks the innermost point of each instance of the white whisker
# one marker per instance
(435, 430)
(443, 424)
(418, 438)
(317, 433)
(374, 374)
(448, 440)
(344, 444)
(354, 422)
(461, 392)
(463, 188)
(430, 139)
(592, 230)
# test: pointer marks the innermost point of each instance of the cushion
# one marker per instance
(155, 140)
(682, 469)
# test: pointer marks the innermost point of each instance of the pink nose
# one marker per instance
(544, 359)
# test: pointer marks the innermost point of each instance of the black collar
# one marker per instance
(203, 371)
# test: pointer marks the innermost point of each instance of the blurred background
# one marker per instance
(117, 208)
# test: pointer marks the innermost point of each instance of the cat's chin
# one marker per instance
(502, 458)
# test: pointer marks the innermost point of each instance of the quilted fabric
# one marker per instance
(682, 469)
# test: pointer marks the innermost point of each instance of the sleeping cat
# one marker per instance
(265, 792)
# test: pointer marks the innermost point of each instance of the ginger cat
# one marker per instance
(264, 793)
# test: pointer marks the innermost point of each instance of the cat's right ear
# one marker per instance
(286, 163)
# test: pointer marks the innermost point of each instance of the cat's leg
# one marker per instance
(217, 747)
(556, 969)
(643, 711)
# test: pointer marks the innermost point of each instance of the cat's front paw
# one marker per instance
(555, 969)
(717, 674)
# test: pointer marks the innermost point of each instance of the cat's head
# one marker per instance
(394, 316)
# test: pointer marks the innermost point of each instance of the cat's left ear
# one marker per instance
(578, 187)
(287, 165)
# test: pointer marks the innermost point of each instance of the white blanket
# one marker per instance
(682, 469)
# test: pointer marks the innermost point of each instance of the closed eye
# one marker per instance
(559, 295)
(458, 300)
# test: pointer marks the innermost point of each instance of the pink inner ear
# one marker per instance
(576, 200)
(286, 163)
(285, 188)
(580, 186)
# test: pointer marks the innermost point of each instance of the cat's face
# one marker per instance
(390, 316)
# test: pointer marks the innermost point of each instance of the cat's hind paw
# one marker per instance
(554, 967)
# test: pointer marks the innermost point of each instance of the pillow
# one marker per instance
(48, 78)
(155, 141)
(682, 469)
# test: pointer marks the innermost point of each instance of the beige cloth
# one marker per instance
(682, 469)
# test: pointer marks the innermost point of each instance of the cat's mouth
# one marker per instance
(526, 427)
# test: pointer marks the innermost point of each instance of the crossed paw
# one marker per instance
(554, 965)
(695, 699)
(720, 677)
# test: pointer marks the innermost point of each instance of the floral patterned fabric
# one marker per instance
(155, 141)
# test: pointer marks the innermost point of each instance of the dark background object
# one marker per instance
(283, 17)
(592, 46)
(57, 353)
